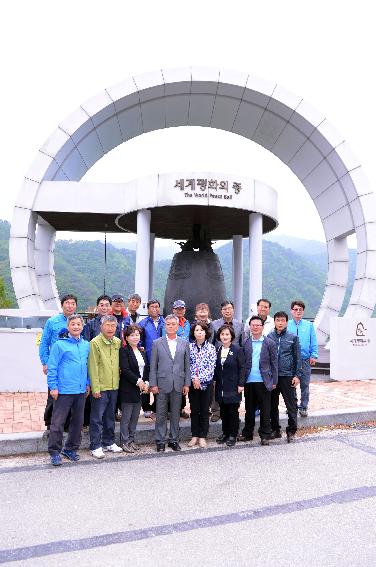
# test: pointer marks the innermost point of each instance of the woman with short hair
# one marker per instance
(134, 374)
(229, 383)
(202, 363)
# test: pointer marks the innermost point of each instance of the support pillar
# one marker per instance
(151, 266)
(141, 283)
(255, 258)
(237, 275)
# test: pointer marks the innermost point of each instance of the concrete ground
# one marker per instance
(311, 502)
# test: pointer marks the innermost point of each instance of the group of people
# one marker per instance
(119, 362)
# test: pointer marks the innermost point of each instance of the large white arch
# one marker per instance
(240, 103)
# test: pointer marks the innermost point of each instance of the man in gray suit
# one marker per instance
(169, 378)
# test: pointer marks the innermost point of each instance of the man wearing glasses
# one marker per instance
(309, 349)
(261, 377)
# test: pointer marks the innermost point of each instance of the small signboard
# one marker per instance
(352, 348)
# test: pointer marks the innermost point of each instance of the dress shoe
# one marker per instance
(222, 439)
(265, 441)
(231, 442)
(160, 447)
(174, 445)
(215, 417)
(276, 435)
(193, 442)
(245, 438)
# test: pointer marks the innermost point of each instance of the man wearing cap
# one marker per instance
(119, 311)
(178, 309)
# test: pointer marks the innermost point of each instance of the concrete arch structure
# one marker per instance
(240, 103)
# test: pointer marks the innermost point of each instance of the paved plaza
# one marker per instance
(23, 412)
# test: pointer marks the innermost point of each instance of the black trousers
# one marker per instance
(199, 401)
(65, 403)
(256, 396)
(145, 403)
(230, 419)
(48, 413)
(288, 392)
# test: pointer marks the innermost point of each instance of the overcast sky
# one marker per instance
(57, 55)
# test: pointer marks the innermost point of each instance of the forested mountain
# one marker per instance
(80, 269)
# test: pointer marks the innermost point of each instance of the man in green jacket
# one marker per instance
(104, 376)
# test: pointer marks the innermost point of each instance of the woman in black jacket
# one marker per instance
(229, 384)
(134, 374)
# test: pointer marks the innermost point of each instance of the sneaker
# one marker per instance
(265, 441)
(113, 448)
(148, 414)
(127, 448)
(290, 437)
(118, 415)
(98, 453)
(71, 455)
(215, 417)
(56, 460)
(135, 446)
(184, 414)
(303, 412)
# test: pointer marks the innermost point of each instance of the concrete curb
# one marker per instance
(33, 442)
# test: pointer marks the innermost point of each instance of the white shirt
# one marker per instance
(267, 328)
(172, 343)
(140, 361)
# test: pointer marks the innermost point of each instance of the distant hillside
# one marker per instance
(298, 245)
(79, 268)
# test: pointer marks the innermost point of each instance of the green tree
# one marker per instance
(4, 301)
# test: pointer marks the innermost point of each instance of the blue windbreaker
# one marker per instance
(54, 325)
(67, 366)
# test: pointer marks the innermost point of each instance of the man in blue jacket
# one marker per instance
(261, 377)
(54, 325)
(308, 345)
(152, 328)
(68, 382)
(93, 326)
(289, 372)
